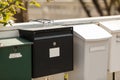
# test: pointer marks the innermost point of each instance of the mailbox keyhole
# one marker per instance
(54, 43)
(15, 49)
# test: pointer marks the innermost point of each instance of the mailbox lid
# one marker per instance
(34, 34)
(111, 26)
(13, 42)
(91, 32)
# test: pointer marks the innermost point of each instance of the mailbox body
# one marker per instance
(91, 47)
(15, 59)
(113, 27)
(52, 50)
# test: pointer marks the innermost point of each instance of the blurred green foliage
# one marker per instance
(8, 8)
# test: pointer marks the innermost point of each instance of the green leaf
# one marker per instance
(49, 0)
(8, 8)
(21, 7)
(33, 2)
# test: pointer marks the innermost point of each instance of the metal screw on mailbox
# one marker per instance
(1, 44)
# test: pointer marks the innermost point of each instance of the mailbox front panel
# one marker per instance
(15, 63)
(53, 55)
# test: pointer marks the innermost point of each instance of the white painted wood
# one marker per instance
(114, 57)
(90, 56)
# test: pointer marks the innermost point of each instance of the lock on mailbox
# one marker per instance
(15, 59)
(52, 50)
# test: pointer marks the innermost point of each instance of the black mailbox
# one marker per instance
(52, 50)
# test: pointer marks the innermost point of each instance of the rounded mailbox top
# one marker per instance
(111, 26)
(91, 32)
(44, 28)
(13, 42)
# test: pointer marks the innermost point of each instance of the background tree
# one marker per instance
(15, 8)
(111, 6)
(22, 15)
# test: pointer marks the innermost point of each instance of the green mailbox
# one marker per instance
(15, 59)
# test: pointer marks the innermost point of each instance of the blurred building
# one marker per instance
(59, 9)
(63, 9)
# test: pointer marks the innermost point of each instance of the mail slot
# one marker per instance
(15, 59)
(52, 50)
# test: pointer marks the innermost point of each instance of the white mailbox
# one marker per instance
(113, 27)
(91, 46)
